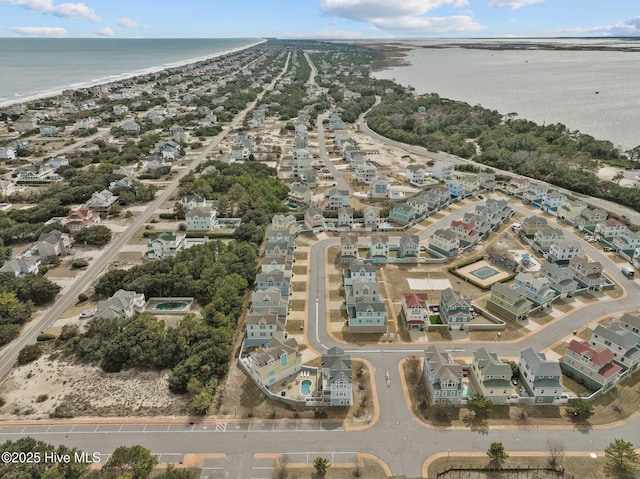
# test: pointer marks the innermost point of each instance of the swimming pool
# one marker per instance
(171, 306)
(466, 389)
(305, 387)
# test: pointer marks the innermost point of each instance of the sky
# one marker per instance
(322, 19)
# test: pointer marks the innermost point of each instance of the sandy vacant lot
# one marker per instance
(36, 390)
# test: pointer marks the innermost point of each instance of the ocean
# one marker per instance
(594, 92)
(38, 67)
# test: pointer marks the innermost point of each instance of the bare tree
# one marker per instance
(556, 452)
(282, 467)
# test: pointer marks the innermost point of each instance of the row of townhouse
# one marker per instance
(577, 213)
(277, 357)
(473, 227)
(420, 205)
(548, 240)
(529, 292)
(491, 377)
(408, 247)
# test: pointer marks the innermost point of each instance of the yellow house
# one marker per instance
(275, 361)
(470, 183)
(570, 210)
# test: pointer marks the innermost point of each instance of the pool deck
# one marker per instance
(152, 304)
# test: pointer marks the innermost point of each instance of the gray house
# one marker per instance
(541, 377)
(336, 384)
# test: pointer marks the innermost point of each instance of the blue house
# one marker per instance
(456, 189)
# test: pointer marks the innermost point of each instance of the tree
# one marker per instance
(480, 406)
(497, 454)
(622, 459)
(29, 353)
(94, 235)
(320, 465)
(556, 452)
(135, 460)
(579, 410)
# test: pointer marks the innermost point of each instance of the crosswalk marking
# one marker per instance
(221, 427)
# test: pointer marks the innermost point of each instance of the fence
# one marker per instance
(504, 473)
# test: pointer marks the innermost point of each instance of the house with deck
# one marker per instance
(443, 377)
(628, 242)
(455, 309)
(445, 242)
(53, 243)
(588, 274)
(416, 310)
(409, 246)
(569, 210)
(261, 327)
(562, 251)
(546, 236)
(314, 219)
(402, 213)
(538, 290)
(611, 228)
(542, 377)
(624, 344)
(379, 249)
(80, 218)
(348, 248)
(492, 377)
(165, 245)
(509, 302)
(102, 201)
(123, 304)
(517, 186)
(591, 365)
(532, 224)
(371, 217)
(589, 218)
(560, 279)
(417, 175)
(336, 384)
(276, 361)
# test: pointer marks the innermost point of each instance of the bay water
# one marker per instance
(593, 91)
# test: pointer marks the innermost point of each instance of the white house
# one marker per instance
(164, 245)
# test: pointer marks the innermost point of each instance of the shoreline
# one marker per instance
(122, 76)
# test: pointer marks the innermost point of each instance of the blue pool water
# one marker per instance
(467, 390)
(305, 387)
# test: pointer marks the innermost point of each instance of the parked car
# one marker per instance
(87, 313)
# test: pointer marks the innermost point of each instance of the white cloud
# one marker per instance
(512, 4)
(429, 25)
(128, 22)
(56, 32)
(365, 10)
(66, 10)
(324, 34)
(404, 17)
(630, 28)
(105, 32)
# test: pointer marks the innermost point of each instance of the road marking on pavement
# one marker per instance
(221, 427)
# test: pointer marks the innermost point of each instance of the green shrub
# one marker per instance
(45, 337)
(29, 353)
(82, 298)
(79, 263)
(42, 398)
